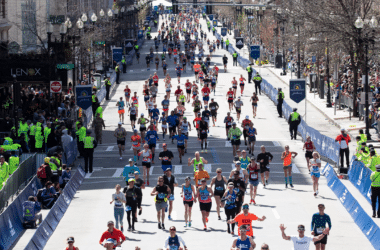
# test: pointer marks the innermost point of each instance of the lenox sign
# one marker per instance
(26, 71)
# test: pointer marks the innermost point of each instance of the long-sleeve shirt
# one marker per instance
(47, 192)
(318, 223)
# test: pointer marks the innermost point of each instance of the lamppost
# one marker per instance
(80, 26)
(359, 24)
(50, 30)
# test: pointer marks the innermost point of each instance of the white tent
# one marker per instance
(162, 2)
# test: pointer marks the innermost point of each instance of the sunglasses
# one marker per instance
(245, 207)
(264, 248)
(218, 172)
(172, 230)
(243, 230)
(301, 229)
(160, 181)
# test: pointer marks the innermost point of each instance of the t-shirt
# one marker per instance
(213, 106)
(238, 104)
(314, 165)
(241, 219)
(119, 202)
(199, 175)
(301, 243)
(166, 154)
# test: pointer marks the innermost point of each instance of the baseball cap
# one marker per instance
(130, 159)
(168, 169)
(137, 172)
(247, 117)
(70, 240)
(135, 130)
(120, 123)
(110, 222)
(239, 97)
(343, 129)
(130, 180)
(234, 123)
(47, 160)
(206, 106)
(164, 144)
(142, 114)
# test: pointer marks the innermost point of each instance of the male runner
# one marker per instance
(264, 158)
(181, 139)
(243, 242)
(214, 110)
(151, 138)
(206, 94)
(230, 98)
(120, 134)
(185, 127)
(245, 125)
(238, 105)
(318, 225)
(228, 121)
(246, 218)
(203, 131)
(165, 105)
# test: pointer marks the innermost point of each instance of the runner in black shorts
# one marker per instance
(220, 187)
(264, 158)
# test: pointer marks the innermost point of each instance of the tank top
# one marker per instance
(309, 146)
(142, 122)
(219, 186)
(288, 159)
(204, 195)
(243, 244)
(145, 156)
(162, 193)
(253, 173)
(244, 162)
(196, 163)
(67, 248)
(173, 243)
(133, 110)
(187, 193)
(185, 127)
(230, 200)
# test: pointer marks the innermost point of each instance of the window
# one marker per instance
(2, 8)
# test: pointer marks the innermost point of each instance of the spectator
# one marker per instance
(6, 124)
(57, 188)
(344, 139)
(70, 243)
(49, 196)
(66, 175)
(44, 172)
(31, 209)
(65, 139)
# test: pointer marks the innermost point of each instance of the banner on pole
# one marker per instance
(297, 89)
(84, 94)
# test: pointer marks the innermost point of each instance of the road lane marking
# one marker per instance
(88, 175)
(110, 148)
(118, 172)
(177, 169)
(151, 170)
(228, 144)
(275, 213)
(295, 169)
(276, 143)
(207, 167)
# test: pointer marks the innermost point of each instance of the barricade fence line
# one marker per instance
(368, 227)
(50, 223)
(11, 218)
(359, 174)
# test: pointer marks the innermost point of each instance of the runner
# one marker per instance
(244, 242)
(181, 109)
(153, 92)
(252, 132)
(172, 121)
(178, 92)
(287, 157)
(220, 182)
(239, 184)
(165, 105)
(196, 123)
(244, 159)
(253, 179)
(214, 79)
(241, 83)
(113, 237)
(225, 62)
(204, 195)
(228, 121)
(246, 218)
(162, 193)
(229, 200)
(168, 88)
(206, 94)
(318, 225)
(188, 194)
(146, 95)
(206, 115)
(254, 99)
(196, 161)
(181, 139)
(132, 194)
(234, 135)
(155, 77)
(185, 127)
(135, 101)
(245, 125)
(155, 113)
(142, 121)
(214, 110)
(164, 125)
(203, 131)
(315, 163)
(188, 90)
(146, 161)
(230, 98)
(264, 158)
(197, 68)
(238, 104)
(120, 134)
(136, 144)
(179, 72)
(151, 138)
(309, 146)
(166, 157)
(301, 241)
(173, 242)
(234, 86)
(171, 182)
(164, 66)
(127, 94)
(197, 106)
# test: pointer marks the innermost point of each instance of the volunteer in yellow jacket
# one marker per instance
(81, 133)
(375, 188)
(4, 171)
(287, 157)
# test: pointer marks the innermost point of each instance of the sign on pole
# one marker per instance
(239, 42)
(140, 34)
(297, 89)
(211, 17)
(117, 54)
(55, 86)
(223, 31)
(255, 52)
(84, 94)
(215, 23)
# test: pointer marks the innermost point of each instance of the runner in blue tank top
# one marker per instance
(188, 194)
(244, 242)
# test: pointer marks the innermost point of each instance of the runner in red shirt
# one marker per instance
(112, 237)
(196, 123)
(230, 98)
(245, 125)
(216, 71)
(188, 90)
(155, 79)
(178, 92)
(206, 94)
(253, 178)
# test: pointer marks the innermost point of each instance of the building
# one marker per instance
(5, 25)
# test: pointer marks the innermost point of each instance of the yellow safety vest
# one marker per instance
(295, 116)
(14, 162)
(88, 142)
(375, 178)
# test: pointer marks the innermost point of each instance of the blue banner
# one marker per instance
(313, 59)
(83, 94)
(140, 34)
(117, 54)
(255, 52)
(215, 23)
(297, 89)
(223, 31)
(211, 17)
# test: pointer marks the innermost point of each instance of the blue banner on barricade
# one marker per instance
(46, 229)
(70, 153)
(361, 218)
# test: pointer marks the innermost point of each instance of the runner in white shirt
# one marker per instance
(302, 242)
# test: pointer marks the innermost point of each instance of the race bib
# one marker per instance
(161, 196)
(135, 143)
(220, 188)
(320, 230)
(253, 176)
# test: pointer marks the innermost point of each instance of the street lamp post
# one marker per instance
(50, 30)
(359, 24)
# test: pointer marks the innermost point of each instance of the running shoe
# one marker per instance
(202, 151)
(148, 183)
(213, 125)
(205, 229)
(190, 224)
(186, 224)
(254, 202)
(163, 226)
(130, 228)
(291, 185)
(317, 192)
(266, 182)
(206, 151)
(169, 217)
(185, 150)
(122, 229)
(121, 158)
(228, 230)
(164, 139)
(232, 233)
(286, 185)
(166, 209)
(206, 220)
(219, 217)
(140, 211)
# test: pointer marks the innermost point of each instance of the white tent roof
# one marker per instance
(163, 2)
